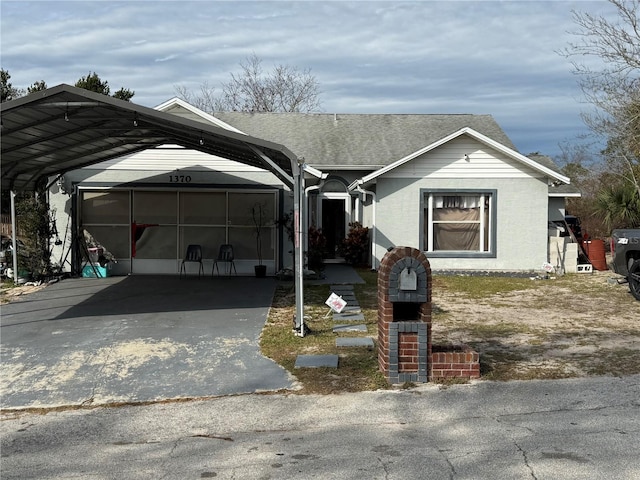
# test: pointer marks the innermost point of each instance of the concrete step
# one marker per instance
(341, 288)
(348, 317)
(316, 361)
(355, 342)
(349, 328)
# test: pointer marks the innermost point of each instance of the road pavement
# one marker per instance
(557, 429)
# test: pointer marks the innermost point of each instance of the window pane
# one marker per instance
(243, 205)
(209, 238)
(154, 207)
(105, 207)
(203, 208)
(115, 240)
(245, 245)
(456, 222)
(157, 242)
(456, 236)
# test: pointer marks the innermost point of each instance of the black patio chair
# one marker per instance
(225, 255)
(194, 254)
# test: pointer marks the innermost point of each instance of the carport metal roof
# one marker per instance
(64, 128)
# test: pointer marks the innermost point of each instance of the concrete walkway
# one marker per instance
(137, 339)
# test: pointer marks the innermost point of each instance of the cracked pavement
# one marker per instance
(553, 429)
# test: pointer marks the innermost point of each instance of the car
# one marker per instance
(625, 257)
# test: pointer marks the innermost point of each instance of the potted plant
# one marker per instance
(258, 215)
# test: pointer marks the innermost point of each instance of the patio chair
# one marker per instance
(194, 254)
(225, 255)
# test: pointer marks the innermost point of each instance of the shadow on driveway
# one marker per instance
(137, 339)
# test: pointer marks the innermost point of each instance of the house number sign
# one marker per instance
(179, 178)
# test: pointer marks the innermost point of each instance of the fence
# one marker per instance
(5, 225)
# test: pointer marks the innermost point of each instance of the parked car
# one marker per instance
(625, 257)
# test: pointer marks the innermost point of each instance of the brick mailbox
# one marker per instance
(405, 350)
(404, 315)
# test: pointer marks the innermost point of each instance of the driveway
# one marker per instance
(136, 339)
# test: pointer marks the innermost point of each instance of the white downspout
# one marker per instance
(306, 200)
(359, 188)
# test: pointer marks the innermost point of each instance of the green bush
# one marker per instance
(34, 227)
(354, 248)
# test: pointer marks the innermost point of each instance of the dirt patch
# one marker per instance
(570, 326)
(11, 293)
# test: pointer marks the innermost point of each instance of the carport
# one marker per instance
(64, 128)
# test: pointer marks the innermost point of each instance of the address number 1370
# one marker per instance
(179, 178)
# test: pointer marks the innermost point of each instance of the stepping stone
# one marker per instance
(349, 328)
(354, 342)
(351, 310)
(341, 288)
(316, 361)
(348, 317)
(349, 298)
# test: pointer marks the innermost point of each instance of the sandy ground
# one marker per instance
(585, 324)
(9, 294)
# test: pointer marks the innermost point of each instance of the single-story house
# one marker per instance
(453, 186)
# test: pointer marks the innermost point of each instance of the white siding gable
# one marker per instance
(172, 157)
(463, 157)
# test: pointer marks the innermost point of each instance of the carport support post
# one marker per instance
(298, 216)
(14, 235)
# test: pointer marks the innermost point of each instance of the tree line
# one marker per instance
(609, 178)
(91, 82)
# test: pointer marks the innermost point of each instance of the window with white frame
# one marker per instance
(459, 222)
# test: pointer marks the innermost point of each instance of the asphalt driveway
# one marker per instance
(136, 339)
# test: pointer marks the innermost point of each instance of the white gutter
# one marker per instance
(322, 176)
(373, 222)
(306, 201)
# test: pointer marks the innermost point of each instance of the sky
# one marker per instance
(480, 57)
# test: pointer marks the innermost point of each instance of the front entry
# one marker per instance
(334, 222)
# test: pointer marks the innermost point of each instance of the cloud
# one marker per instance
(383, 57)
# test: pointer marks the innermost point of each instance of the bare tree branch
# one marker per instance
(285, 89)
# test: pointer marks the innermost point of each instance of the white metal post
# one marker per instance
(298, 219)
(14, 235)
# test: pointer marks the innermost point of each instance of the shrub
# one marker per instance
(317, 246)
(354, 248)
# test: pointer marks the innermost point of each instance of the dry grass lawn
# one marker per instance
(571, 326)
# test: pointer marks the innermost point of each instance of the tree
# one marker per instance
(37, 86)
(285, 89)
(94, 83)
(613, 89)
(124, 94)
(8, 91)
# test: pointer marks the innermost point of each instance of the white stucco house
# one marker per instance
(453, 186)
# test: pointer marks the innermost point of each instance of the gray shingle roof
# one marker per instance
(358, 140)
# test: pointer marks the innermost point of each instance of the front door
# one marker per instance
(335, 218)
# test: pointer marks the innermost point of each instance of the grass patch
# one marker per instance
(358, 367)
(481, 287)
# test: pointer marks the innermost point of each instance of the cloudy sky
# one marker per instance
(486, 57)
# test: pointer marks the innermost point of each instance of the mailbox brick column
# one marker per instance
(404, 316)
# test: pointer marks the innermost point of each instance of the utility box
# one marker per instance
(404, 315)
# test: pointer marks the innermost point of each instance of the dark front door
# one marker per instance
(333, 224)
